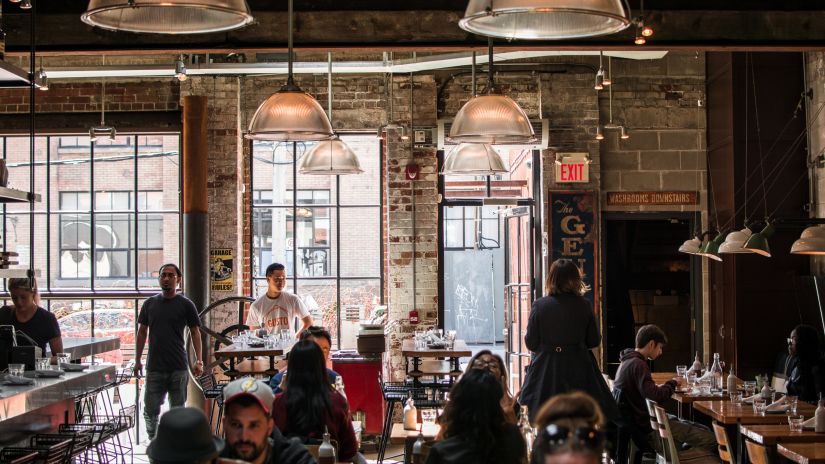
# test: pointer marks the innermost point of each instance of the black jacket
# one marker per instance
(805, 379)
(282, 450)
(560, 333)
(457, 450)
(636, 385)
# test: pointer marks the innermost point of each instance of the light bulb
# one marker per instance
(640, 40)
(599, 133)
(92, 135)
(599, 80)
(647, 31)
(623, 134)
(26, 5)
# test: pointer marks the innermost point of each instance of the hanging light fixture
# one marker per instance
(811, 242)
(607, 80)
(330, 157)
(691, 246)
(491, 118)
(102, 129)
(180, 69)
(290, 114)
(168, 16)
(599, 133)
(474, 159)
(710, 248)
(544, 19)
(623, 134)
(758, 242)
(735, 241)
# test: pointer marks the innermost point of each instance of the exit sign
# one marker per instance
(572, 168)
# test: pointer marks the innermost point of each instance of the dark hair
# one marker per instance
(571, 411)
(316, 332)
(474, 413)
(308, 390)
(274, 267)
(650, 332)
(502, 366)
(807, 343)
(175, 266)
(565, 277)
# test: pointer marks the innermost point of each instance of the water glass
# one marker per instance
(42, 364)
(680, 370)
(17, 369)
(749, 388)
(736, 398)
(795, 423)
(760, 405)
(451, 339)
(691, 379)
(286, 336)
(704, 387)
(62, 358)
(792, 402)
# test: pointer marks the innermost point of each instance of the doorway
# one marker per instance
(647, 281)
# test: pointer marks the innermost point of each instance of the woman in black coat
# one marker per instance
(805, 370)
(561, 332)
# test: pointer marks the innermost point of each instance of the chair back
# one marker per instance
(651, 411)
(57, 453)
(13, 455)
(722, 443)
(758, 454)
(669, 445)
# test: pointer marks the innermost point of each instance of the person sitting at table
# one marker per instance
(473, 425)
(570, 431)
(28, 317)
(309, 404)
(493, 363)
(634, 385)
(184, 437)
(804, 370)
(323, 339)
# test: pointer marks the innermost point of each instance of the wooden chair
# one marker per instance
(758, 454)
(654, 422)
(672, 455)
(722, 443)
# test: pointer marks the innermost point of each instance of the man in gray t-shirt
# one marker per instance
(163, 318)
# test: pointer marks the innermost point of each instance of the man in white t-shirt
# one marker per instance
(277, 309)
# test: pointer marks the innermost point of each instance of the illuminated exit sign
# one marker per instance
(572, 168)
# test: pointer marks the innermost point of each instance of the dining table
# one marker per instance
(453, 354)
(238, 366)
(772, 434)
(803, 453)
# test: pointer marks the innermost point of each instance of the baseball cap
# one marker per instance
(253, 388)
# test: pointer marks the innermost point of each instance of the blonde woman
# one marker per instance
(28, 317)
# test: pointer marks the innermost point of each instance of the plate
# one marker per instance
(49, 373)
(69, 367)
(15, 380)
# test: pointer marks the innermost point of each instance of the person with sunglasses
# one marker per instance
(569, 431)
(804, 371)
(493, 363)
(473, 425)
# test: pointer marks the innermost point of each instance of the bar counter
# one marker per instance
(48, 402)
(81, 347)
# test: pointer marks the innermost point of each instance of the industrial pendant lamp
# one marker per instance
(710, 249)
(691, 246)
(168, 16)
(330, 157)
(735, 241)
(474, 159)
(758, 242)
(290, 114)
(811, 242)
(491, 118)
(544, 19)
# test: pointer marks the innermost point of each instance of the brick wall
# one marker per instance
(815, 70)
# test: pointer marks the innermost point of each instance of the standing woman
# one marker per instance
(561, 332)
(27, 317)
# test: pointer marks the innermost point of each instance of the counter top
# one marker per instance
(80, 347)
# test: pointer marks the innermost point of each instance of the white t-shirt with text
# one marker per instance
(276, 313)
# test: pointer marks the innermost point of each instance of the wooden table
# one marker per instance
(771, 435)
(233, 353)
(803, 453)
(459, 350)
(408, 437)
(662, 377)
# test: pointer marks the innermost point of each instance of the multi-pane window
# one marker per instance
(471, 227)
(325, 230)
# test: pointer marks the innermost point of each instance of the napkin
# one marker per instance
(809, 424)
(778, 406)
(749, 400)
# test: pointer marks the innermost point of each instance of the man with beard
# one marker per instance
(250, 430)
(163, 318)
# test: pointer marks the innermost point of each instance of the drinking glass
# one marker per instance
(749, 388)
(792, 402)
(286, 336)
(17, 369)
(704, 387)
(42, 364)
(736, 398)
(691, 379)
(795, 423)
(62, 358)
(680, 370)
(760, 405)
(451, 339)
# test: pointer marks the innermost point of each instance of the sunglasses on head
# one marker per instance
(554, 437)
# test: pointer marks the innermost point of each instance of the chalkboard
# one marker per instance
(474, 294)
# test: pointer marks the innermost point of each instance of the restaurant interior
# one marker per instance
(417, 168)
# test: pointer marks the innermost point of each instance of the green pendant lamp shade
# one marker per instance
(758, 242)
(710, 249)
(811, 242)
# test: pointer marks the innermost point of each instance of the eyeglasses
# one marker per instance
(554, 437)
(482, 364)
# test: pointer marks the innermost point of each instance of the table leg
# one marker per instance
(679, 410)
(271, 372)
(232, 373)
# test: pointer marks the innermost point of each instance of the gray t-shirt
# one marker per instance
(166, 319)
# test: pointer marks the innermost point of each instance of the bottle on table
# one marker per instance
(410, 414)
(716, 373)
(418, 448)
(326, 452)
(819, 416)
(731, 381)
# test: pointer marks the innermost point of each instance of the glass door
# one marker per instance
(519, 262)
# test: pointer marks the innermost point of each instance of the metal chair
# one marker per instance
(212, 391)
(81, 442)
(18, 456)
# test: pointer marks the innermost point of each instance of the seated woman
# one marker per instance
(569, 431)
(473, 425)
(309, 404)
(493, 363)
(323, 339)
(805, 370)
(27, 317)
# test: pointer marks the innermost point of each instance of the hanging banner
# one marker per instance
(221, 266)
(574, 233)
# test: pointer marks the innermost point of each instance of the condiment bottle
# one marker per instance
(410, 415)
(697, 365)
(418, 449)
(326, 452)
(766, 391)
(819, 415)
(731, 381)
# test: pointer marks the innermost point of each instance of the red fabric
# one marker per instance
(339, 423)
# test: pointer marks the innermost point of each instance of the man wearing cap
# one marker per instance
(250, 430)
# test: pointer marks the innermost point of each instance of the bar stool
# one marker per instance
(81, 442)
(55, 453)
(18, 456)
(212, 391)
(101, 433)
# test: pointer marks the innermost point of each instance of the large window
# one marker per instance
(326, 230)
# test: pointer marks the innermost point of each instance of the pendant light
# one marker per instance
(544, 19)
(710, 249)
(735, 241)
(691, 246)
(290, 114)
(330, 157)
(491, 118)
(758, 242)
(811, 242)
(168, 16)
(102, 129)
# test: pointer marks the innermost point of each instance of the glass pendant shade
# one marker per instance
(290, 114)
(710, 249)
(811, 242)
(691, 246)
(493, 119)
(758, 242)
(735, 240)
(474, 159)
(168, 16)
(544, 19)
(329, 158)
